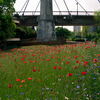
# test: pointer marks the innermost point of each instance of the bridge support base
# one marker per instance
(45, 23)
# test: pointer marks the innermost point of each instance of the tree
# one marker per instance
(7, 25)
(97, 17)
(1, 1)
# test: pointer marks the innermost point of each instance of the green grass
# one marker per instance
(56, 72)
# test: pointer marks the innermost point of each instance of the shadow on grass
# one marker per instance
(7, 46)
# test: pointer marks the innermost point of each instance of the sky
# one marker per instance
(89, 5)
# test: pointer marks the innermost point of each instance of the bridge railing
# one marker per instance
(56, 13)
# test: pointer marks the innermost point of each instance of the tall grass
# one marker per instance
(61, 72)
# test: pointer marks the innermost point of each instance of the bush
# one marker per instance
(25, 33)
(7, 27)
(93, 36)
(79, 38)
(62, 33)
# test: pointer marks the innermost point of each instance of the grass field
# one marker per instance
(47, 72)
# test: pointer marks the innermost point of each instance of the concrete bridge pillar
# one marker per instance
(45, 22)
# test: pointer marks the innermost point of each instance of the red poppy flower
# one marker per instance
(47, 59)
(95, 60)
(69, 74)
(23, 81)
(67, 62)
(59, 67)
(56, 62)
(34, 70)
(68, 57)
(33, 55)
(25, 62)
(86, 63)
(38, 70)
(84, 73)
(55, 67)
(94, 45)
(10, 85)
(52, 57)
(75, 57)
(78, 61)
(21, 86)
(29, 78)
(17, 80)
(87, 47)
(64, 56)
(63, 59)
(98, 54)
(22, 58)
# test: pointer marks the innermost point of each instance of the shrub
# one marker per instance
(93, 36)
(62, 33)
(25, 33)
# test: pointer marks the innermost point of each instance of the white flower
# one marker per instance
(66, 98)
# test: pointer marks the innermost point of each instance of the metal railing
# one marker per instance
(55, 13)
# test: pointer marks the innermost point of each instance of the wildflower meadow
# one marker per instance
(51, 72)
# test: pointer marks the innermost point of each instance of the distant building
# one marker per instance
(77, 28)
(92, 29)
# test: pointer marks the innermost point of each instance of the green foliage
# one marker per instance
(62, 33)
(61, 72)
(97, 17)
(7, 25)
(94, 36)
(1, 1)
(85, 30)
(78, 38)
(91, 36)
(25, 32)
(98, 29)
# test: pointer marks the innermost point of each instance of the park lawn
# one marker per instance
(51, 72)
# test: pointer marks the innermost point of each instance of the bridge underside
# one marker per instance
(60, 20)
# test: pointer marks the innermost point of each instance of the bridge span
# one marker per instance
(60, 18)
